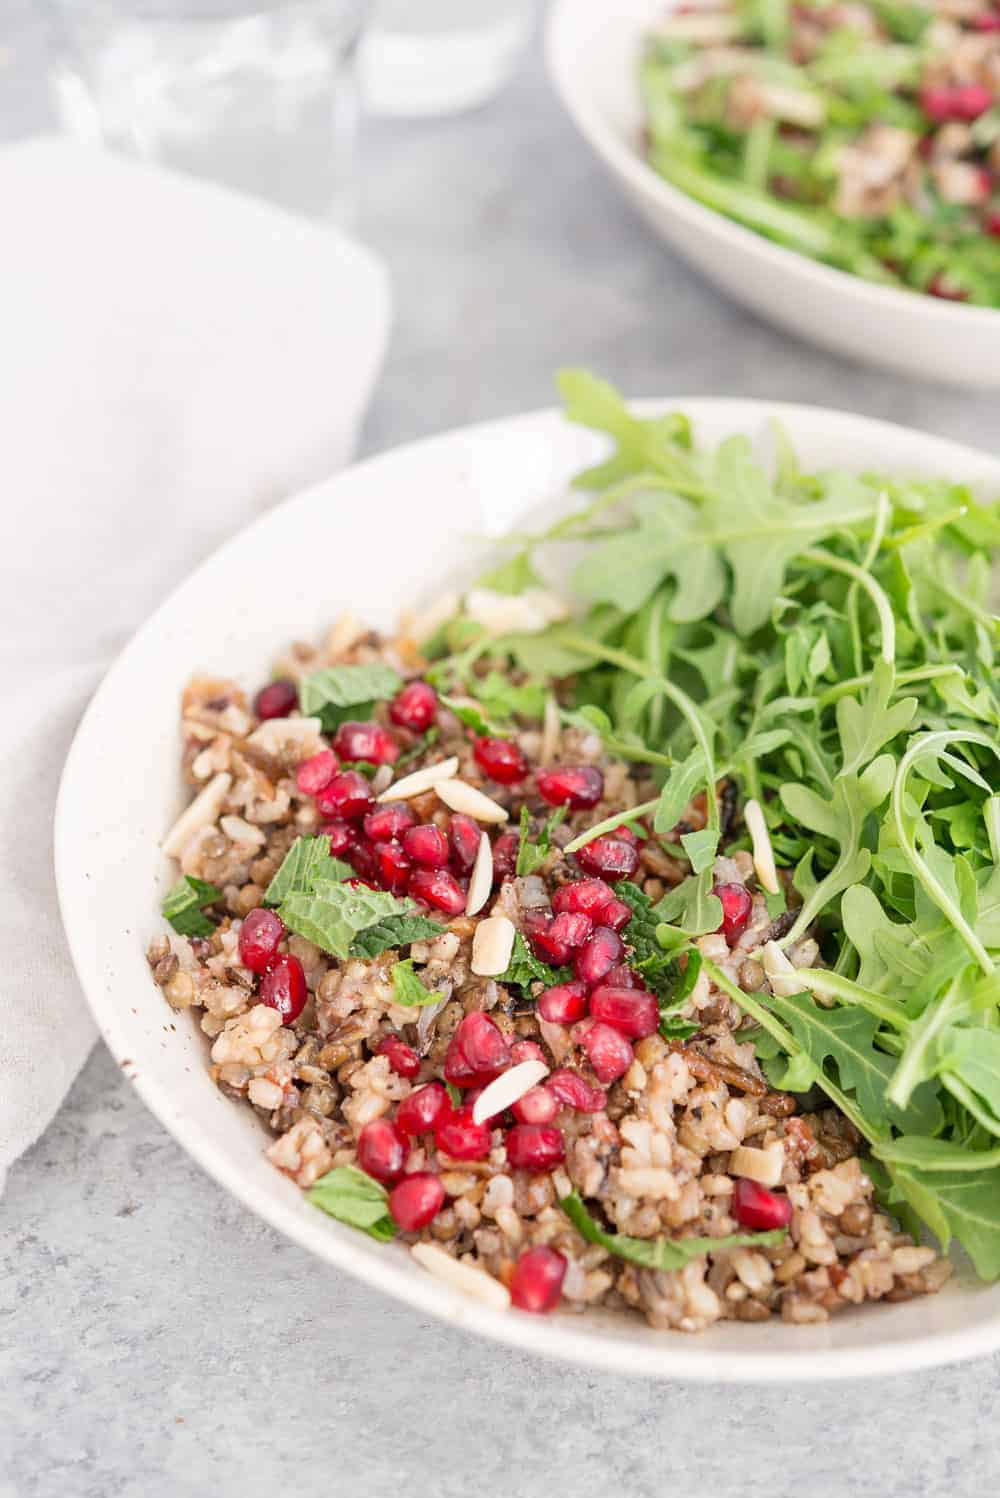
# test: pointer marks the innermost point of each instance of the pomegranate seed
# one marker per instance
(361, 857)
(584, 897)
(402, 1058)
(394, 868)
(988, 22)
(477, 1052)
(941, 287)
(564, 1004)
(616, 915)
(315, 773)
(360, 884)
(382, 1150)
(598, 956)
(505, 851)
(347, 795)
(964, 102)
(439, 889)
(631, 1010)
(283, 987)
(368, 741)
(992, 224)
(387, 824)
(259, 937)
(463, 841)
(609, 1052)
(536, 1284)
(501, 760)
(460, 1137)
(576, 786)
(538, 1106)
(755, 1207)
(558, 939)
(737, 906)
(535, 1147)
(622, 976)
(609, 855)
(415, 707)
(416, 1200)
(421, 1111)
(341, 835)
(572, 1091)
(527, 1050)
(427, 846)
(628, 834)
(276, 700)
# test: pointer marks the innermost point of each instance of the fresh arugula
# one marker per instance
(184, 906)
(659, 1253)
(353, 1197)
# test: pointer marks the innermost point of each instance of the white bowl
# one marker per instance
(389, 531)
(592, 49)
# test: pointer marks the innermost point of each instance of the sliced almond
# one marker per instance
(204, 809)
(426, 779)
(474, 1282)
(781, 974)
(763, 853)
(492, 945)
(481, 881)
(465, 798)
(276, 732)
(240, 831)
(764, 1166)
(507, 1088)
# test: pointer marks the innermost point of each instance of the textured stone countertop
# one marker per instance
(157, 1340)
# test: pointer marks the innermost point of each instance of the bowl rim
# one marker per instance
(561, 30)
(663, 1358)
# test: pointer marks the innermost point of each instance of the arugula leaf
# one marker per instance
(307, 860)
(353, 1197)
(701, 848)
(659, 1253)
(966, 1205)
(407, 987)
(516, 575)
(336, 917)
(691, 905)
(340, 692)
(525, 968)
(183, 906)
(391, 932)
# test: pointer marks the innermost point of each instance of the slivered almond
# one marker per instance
(781, 974)
(474, 1282)
(481, 881)
(465, 798)
(426, 779)
(764, 1166)
(492, 946)
(763, 853)
(275, 732)
(507, 1088)
(204, 809)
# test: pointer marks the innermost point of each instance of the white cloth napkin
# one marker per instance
(173, 359)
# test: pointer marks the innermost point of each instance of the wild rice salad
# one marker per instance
(538, 960)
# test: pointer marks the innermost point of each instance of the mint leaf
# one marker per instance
(659, 1253)
(407, 987)
(394, 931)
(350, 1196)
(328, 693)
(531, 856)
(526, 969)
(307, 860)
(183, 902)
(338, 913)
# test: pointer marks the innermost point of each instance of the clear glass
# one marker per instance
(430, 57)
(259, 94)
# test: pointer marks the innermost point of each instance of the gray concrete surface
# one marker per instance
(155, 1339)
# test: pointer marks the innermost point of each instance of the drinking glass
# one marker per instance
(259, 94)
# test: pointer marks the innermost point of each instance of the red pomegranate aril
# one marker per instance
(609, 856)
(572, 1091)
(598, 955)
(347, 795)
(577, 786)
(463, 843)
(316, 772)
(501, 760)
(963, 102)
(427, 846)
(394, 868)
(536, 1284)
(608, 1051)
(423, 1109)
(367, 741)
(459, 1136)
(415, 707)
(360, 884)
(505, 851)
(616, 915)
(563, 1004)
(556, 941)
(537, 1106)
(527, 1050)
(632, 1011)
(387, 824)
(737, 907)
(402, 1058)
(477, 1052)
(946, 290)
(535, 1147)
(992, 223)
(276, 700)
(988, 22)
(341, 834)
(382, 1150)
(416, 1200)
(361, 857)
(283, 987)
(755, 1207)
(439, 889)
(260, 934)
(622, 976)
(584, 897)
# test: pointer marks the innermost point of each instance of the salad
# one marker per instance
(863, 133)
(631, 940)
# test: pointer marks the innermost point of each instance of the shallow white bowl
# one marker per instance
(285, 578)
(592, 49)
